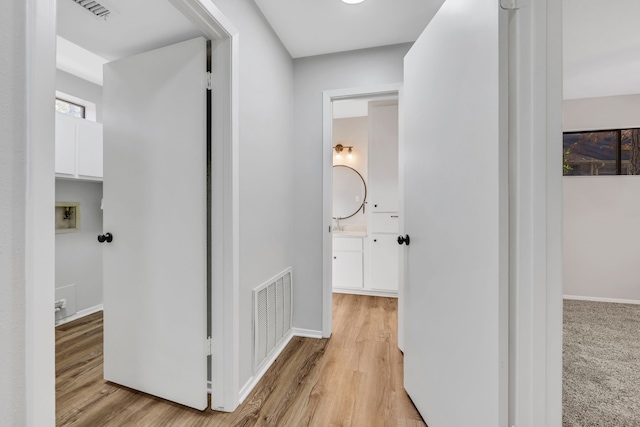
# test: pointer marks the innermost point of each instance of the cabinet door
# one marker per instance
(347, 270)
(384, 222)
(384, 262)
(89, 149)
(383, 157)
(65, 145)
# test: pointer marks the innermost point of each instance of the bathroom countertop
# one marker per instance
(349, 233)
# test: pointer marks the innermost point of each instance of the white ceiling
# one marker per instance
(316, 27)
(601, 48)
(134, 26)
(601, 39)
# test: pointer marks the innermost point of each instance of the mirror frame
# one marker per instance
(364, 199)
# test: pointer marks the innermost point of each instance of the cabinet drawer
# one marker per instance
(384, 223)
(347, 244)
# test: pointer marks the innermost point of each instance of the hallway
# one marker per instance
(352, 379)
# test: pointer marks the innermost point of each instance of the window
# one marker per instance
(608, 152)
(69, 108)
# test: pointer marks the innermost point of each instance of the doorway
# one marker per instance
(365, 195)
(223, 216)
(363, 95)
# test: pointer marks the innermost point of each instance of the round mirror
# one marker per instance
(349, 192)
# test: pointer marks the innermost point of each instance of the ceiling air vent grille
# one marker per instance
(94, 7)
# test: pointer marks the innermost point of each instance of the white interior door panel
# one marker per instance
(456, 214)
(155, 269)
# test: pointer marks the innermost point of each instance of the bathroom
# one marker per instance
(365, 195)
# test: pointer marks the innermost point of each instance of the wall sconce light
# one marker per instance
(340, 148)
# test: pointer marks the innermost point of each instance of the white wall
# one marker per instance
(266, 158)
(601, 233)
(353, 131)
(610, 112)
(79, 254)
(313, 76)
(600, 214)
(72, 85)
(26, 200)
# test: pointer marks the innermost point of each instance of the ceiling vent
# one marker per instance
(94, 7)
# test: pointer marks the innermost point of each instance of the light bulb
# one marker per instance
(338, 156)
(350, 156)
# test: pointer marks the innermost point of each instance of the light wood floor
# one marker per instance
(353, 379)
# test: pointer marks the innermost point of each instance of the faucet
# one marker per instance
(337, 226)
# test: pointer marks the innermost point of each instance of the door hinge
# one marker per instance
(513, 4)
(209, 346)
(209, 80)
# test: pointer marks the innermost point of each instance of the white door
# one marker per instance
(155, 269)
(455, 154)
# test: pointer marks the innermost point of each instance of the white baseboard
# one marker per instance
(307, 333)
(249, 386)
(253, 381)
(81, 313)
(367, 292)
(599, 299)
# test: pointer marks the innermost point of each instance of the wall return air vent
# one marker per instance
(94, 7)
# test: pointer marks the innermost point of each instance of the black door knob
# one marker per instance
(404, 239)
(107, 237)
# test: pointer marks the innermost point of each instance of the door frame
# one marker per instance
(225, 370)
(328, 96)
(40, 50)
(535, 214)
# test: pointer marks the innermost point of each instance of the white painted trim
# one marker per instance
(307, 333)
(253, 381)
(225, 369)
(39, 41)
(600, 299)
(535, 199)
(80, 314)
(327, 187)
(367, 292)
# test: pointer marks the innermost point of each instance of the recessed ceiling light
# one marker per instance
(352, 1)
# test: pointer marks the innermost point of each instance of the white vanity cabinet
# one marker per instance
(78, 148)
(384, 251)
(348, 265)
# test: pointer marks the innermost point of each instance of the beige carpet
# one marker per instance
(601, 375)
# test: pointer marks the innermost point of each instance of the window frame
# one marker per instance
(83, 107)
(618, 132)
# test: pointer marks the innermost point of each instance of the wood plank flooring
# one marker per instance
(353, 379)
